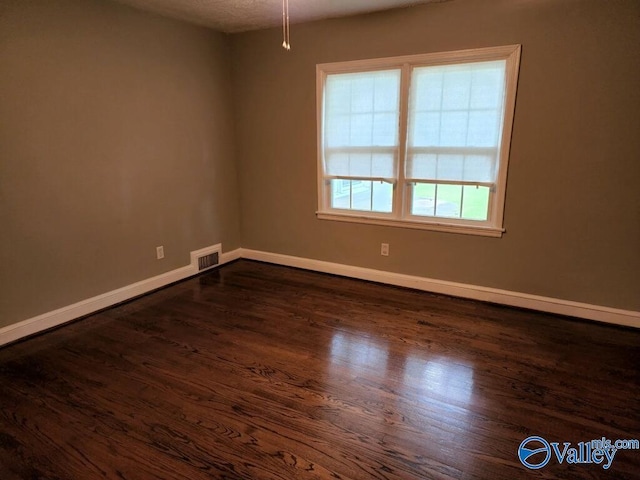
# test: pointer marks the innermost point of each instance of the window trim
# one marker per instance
(401, 217)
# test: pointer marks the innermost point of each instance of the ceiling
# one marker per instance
(242, 15)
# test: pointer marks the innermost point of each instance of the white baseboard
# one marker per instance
(227, 257)
(627, 318)
(63, 315)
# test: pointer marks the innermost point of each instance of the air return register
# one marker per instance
(207, 261)
(206, 258)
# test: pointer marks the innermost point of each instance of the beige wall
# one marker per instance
(115, 137)
(573, 199)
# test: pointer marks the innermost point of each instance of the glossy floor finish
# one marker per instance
(255, 371)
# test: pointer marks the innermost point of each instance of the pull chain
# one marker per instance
(286, 34)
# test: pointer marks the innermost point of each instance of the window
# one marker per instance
(419, 141)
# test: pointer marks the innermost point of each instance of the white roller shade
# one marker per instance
(473, 168)
(455, 122)
(361, 118)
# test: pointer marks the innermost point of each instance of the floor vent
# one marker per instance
(208, 261)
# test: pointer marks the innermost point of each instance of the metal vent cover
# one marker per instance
(208, 261)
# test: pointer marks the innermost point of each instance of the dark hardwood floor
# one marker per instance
(254, 371)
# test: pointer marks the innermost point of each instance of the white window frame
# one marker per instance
(400, 216)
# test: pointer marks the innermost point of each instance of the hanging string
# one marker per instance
(286, 34)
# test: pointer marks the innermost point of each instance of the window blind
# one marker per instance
(455, 123)
(361, 122)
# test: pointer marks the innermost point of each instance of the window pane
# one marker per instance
(427, 96)
(423, 201)
(484, 128)
(450, 166)
(362, 109)
(360, 195)
(387, 92)
(362, 92)
(382, 197)
(345, 164)
(365, 195)
(457, 88)
(385, 128)
(425, 128)
(487, 85)
(475, 204)
(448, 201)
(453, 129)
(341, 194)
(456, 109)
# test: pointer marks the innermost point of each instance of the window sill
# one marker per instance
(416, 225)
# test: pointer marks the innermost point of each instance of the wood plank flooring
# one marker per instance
(255, 371)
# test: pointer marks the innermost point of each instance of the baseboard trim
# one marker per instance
(627, 318)
(231, 256)
(40, 323)
(45, 321)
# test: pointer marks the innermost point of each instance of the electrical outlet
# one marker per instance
(384, 249)
(159, 252)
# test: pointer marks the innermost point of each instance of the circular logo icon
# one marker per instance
(534, 452)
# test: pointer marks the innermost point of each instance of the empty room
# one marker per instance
(319, 239)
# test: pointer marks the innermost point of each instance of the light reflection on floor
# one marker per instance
(425, 376)
(440, 377)
(433, 394)
(356, 353)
